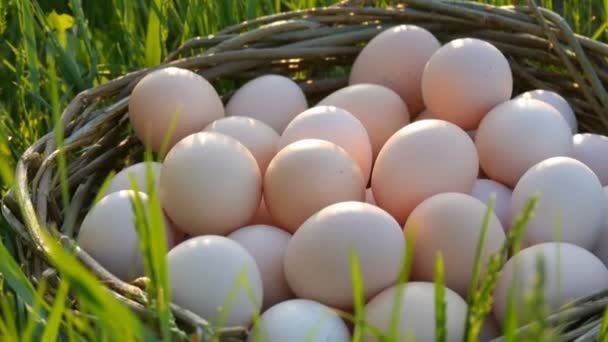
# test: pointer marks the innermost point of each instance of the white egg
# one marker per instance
(601, 248)
(416, 312)
(557, 102)
(204, 270)
(592, 150)
(570, 272)
(139, 171)
(571, 199)
(299, 320)
(267, 246)
(484, 189)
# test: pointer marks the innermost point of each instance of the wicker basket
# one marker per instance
(311, 46)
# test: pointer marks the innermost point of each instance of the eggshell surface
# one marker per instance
(305, 177)
(334, 125)
(601, 248)
(592, 150)
(381, 111)
(169, 93)
(260, 139)
(450, 224)
(267, 245)
(416, 318)
(485, 189)
(300, 320)
(565, 265)
(423, 159)
(317, 261)
(272, 99)
(210, 184)
(122, 179)
(395, 58)
(464, 80)
(571, 199)
(517, 134)
(556, 101)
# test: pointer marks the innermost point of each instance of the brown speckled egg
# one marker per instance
(363, 101)
(272, 99)
(335, 125)
(259, 138)
(210, 184)
(451, 223)
(517, 134)
(395, 58)
(305, 177)
(423, 159)
(167, 93)
(464, 79)
(317, 260)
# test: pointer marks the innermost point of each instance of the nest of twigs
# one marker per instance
(315, 47)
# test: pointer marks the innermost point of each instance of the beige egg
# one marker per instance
(425, 114)
(272, 99)
(570, 272)
(172, 94)
(299, 320)
(334, 125)
(369, 196)
(267, 245)
(259, 138)
(451, 223)
(556, 101)
(262, 216)
(464, 79)
(210, 184)
(395, 58)
(108, 233)
(484, 189)
(202, 274)
(592, 150)
(571, 199)
(416, 313)
(517, 134)
(305, 177)
(122, 179)
(364, 101)
(318, 257)
(420, 160)
(601, 247)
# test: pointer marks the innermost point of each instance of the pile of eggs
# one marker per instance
(266, 198)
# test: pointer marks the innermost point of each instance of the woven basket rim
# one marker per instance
(524, 33)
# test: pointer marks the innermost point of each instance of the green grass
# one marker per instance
(50, 51)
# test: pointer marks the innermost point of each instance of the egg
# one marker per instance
(205, 277)
(592, 150)
(305, 177)
(172, 95)
(423, 159)
(210, 184)
(450, 223)
(415, 312)
(565, 267)
(395, 58)
(489, 330)
(318, 256)
(556, 101)
(484, 189)
(262, 216)
(335, 125)
(464, 79)
(571, 199)
(267, 245)
(369, 196)
(272, 99)
(139, 171)
(425, 114)
(517, 134)
(259, 138)
(299, 320)
(601, 247)
(108, 233)
(363, 101)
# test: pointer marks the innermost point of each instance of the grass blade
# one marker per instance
(51, 330)
(153, 53)
(358, 297)
(440, 305)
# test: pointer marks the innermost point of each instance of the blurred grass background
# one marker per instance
(52, 49)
